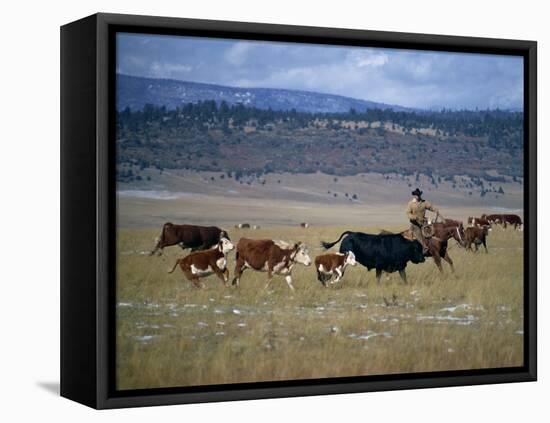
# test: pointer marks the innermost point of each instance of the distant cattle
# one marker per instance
(504, 220)
(333, 265)
(273, 257)
(205, 263)
(512, 220)
(475, 235)
(492, 218)
(304, 225)
(388, 253)
(256, 227)
(243, 226)
(189, 236)
(480, 222)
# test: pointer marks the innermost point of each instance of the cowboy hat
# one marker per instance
(417, 192)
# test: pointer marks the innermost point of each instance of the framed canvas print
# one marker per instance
(256, 211)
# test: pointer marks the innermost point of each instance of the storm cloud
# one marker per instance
(421, 79)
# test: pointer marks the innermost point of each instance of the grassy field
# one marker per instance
(288, 199)
(170, 333)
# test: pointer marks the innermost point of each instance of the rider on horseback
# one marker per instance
(416, 212)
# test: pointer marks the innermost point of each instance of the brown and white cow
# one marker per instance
(512, 220)
(492, 218)
(189, 236)
(505, 220)
(304, 225)
(480, 222)
(331, 264)
(273, 257)
(205, 263)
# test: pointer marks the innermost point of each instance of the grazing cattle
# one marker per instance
(475, 235)
(243, 226)
(479, 222)
(256, 227)
(388, 253)
(492, 218)
(513, 220)
(273, 257)
(331, 264)
(189, 236)
(504, 220)
(205, 263)
(304, 225)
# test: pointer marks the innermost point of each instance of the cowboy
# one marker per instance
(416, 212)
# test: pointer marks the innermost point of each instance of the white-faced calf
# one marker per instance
(205, 263)
(330, 267)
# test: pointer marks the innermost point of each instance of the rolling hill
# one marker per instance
(135, 92)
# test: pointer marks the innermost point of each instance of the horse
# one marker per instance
(437, 243)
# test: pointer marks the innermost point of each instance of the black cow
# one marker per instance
(189, 236)
(388, 253)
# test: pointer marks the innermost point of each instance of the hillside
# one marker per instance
(135, 92)
(246, 144)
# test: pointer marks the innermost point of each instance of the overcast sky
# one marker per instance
(402, 77)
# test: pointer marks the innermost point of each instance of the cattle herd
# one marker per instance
(384, 252)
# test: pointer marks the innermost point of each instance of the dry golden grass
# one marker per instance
(170, 333)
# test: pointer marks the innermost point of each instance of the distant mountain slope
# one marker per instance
(135, 92)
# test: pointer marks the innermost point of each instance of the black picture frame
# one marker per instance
(88, 210)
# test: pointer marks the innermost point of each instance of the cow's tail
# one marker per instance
(175, 265)
(327, 245)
